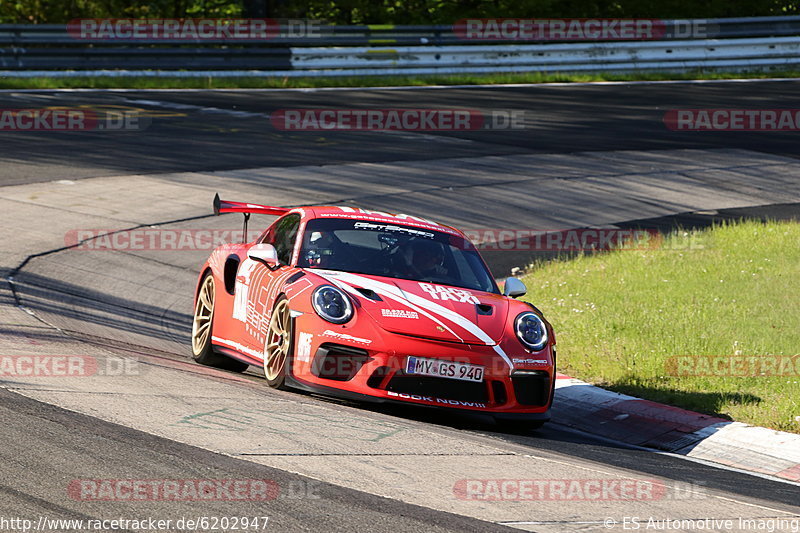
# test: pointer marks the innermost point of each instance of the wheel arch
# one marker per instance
(203, 273)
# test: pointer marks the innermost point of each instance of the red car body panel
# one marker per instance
(393, 319)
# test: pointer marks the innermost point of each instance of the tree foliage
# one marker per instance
(386, 11)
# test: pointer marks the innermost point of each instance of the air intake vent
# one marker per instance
(378, 376)
(531, 387)
(294, 277)
(369, 293)
(484, 309)
(338, 362)
(499, 392)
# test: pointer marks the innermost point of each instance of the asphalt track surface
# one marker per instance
(35, 432)
(225, 130)
(46, 445)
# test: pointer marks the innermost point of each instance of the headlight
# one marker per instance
(332, 304)
(531, 331)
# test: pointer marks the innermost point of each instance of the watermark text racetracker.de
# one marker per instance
(160, 239)
(70, 120)
(485, 239)
(193, 29)
(397, 119)
(65, 366)
(756, 120)
(587, 29)
(585, 490)
(579, 239)
(190, 490)
(733, 365)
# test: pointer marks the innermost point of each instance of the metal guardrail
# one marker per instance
(364, 35)
(737, 44)
(551, 57)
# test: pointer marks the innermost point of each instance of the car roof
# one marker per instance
(356, 213)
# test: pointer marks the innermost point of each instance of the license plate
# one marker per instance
(444, 369)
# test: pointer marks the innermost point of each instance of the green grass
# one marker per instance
(619, 316)
(361, 81)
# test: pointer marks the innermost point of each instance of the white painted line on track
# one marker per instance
(703, 462)
(720, 466)
(191, 107)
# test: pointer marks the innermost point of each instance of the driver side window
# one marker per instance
(282, 236)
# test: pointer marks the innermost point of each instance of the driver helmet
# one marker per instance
(426, 255)
(320, 249)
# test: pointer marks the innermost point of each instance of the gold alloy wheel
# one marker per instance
(279, 339)
(203, 315)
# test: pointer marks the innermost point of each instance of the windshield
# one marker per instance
(394, 251)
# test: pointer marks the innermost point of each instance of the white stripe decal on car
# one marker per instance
(239, 347)
(353, 291)
(395, 293)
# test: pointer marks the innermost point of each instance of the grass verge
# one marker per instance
(361, 81)
(621, 316)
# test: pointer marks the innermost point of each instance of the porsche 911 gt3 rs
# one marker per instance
(373, 306)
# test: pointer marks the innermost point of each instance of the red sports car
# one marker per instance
(373, 306)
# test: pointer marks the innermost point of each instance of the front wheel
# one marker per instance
(202, 350)
(278, 345)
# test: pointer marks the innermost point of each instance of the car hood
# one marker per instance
(427, 310)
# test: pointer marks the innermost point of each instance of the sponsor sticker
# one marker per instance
(392, 229)
(345, 337)
(438, 292)
(399, 313)
(435, 400)
(377, 216)
(304, 347)
(529, 361)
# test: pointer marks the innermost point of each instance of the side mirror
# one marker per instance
(264, 253)
(514, 288)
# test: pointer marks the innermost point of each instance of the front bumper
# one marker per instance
(337, 365)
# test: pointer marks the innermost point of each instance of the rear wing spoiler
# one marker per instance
(224, 206)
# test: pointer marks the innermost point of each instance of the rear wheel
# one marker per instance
(202, 350)
(278, 345)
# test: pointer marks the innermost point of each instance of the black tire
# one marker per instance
(278, 344)
(202, 322)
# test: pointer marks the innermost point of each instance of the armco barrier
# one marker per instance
(737, 44)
